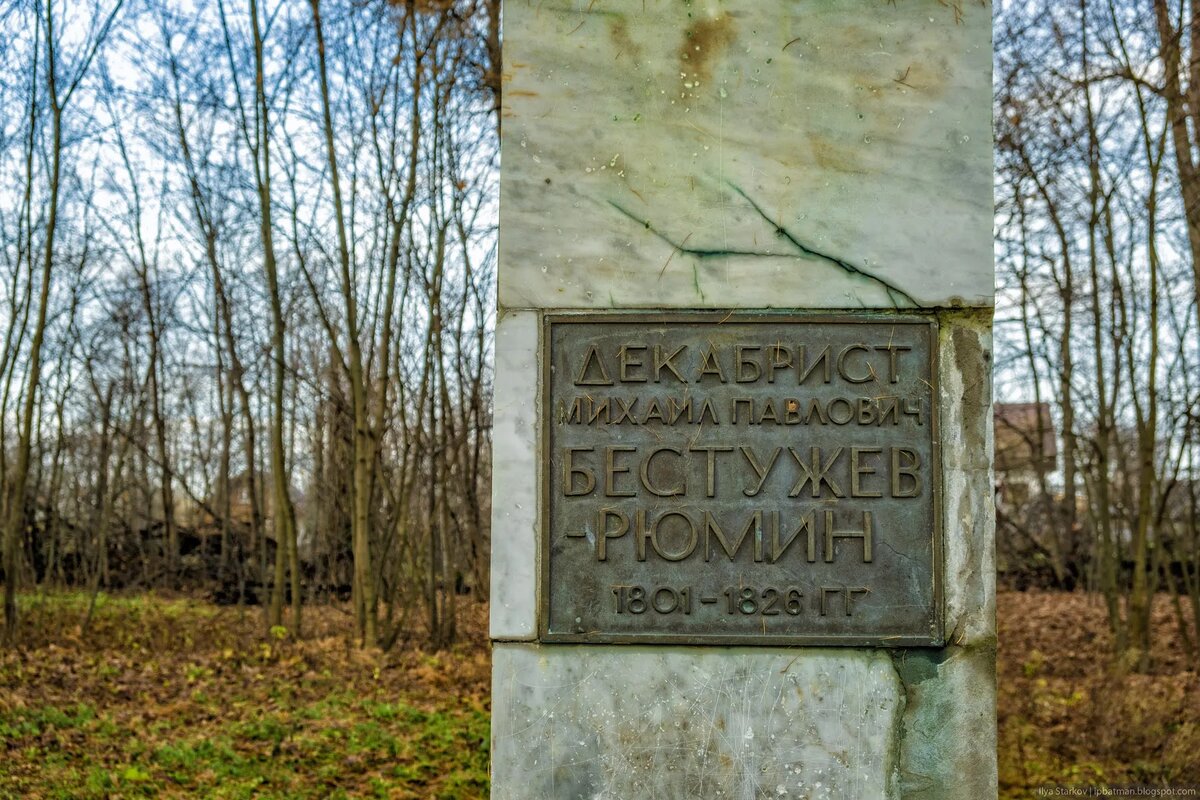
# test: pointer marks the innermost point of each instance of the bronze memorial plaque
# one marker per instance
(741, 479)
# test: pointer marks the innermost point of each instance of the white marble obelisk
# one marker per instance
(745, 155)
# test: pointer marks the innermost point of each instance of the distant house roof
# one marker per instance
(1019, 428)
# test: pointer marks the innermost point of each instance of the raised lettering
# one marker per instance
(768, 413)
(667, 362)
(575, 415)
(738, 403)
(628, 362)
(780, 358)
(866, 411)
(676, 409)
(845, 404)
(655, 411)
(791, 411)
(611, 471)
(806, 525)
(825, 592)
(707, 410)
(592, 356)
(843, 370)
(817, 474)
(710, 365)
(607, 533)
(887, 407)
(711, 486)
(893, 350)
(850, 598)
(761, 470)
(597, 409)
(865, 534)
(740, 375)
(651, 534)
(570, 471)
(625, 412)
(731, 550)
(643, 534)
(858, 469)
(804, 371)
(912, 408)
(815, 407)
(908, 470)
(645, 474)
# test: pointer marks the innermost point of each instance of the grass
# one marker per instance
(172, 697)
(1069, 717)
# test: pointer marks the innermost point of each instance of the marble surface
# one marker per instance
(968, 494)
(614, 723)
(515, 478)
(746, 154)
(948, 733)
(947, 744)
(697, 153)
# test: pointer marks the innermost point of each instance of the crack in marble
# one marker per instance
(689, 251)
(893, 291)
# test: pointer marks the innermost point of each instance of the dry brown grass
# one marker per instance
(1068, 716)
(173, 697)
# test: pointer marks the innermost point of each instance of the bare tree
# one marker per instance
(1094, 225)
(248, 303)
(60, 89)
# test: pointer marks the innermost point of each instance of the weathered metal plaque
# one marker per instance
(737, 479)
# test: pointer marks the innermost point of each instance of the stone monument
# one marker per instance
(742, 518)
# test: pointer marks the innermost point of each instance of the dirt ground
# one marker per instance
(175, 697)
(1067, 717)
(178, 698)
